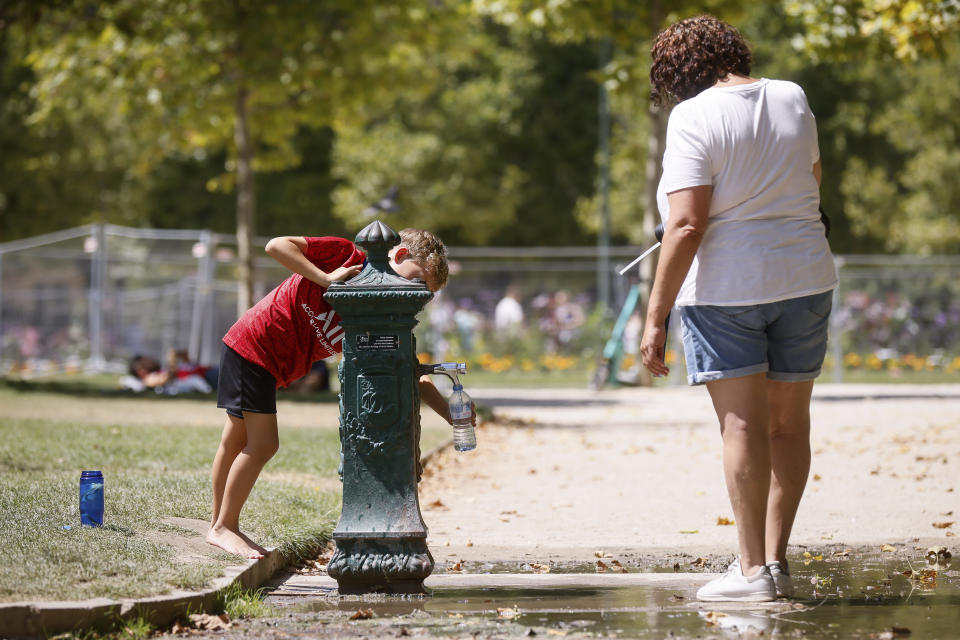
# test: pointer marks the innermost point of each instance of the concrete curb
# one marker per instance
(299, 585)
(44, 619)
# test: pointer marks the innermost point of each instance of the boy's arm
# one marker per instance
(432, 396)
(434, 399)
(290, 252)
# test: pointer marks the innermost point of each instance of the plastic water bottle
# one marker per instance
(461, 413)
(91, 498)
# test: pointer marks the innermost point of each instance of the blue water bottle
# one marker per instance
(91, 498)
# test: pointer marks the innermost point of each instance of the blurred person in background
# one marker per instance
(568, 317)
(746, 261)
(468, 322)
(181, 375)
(508, 314)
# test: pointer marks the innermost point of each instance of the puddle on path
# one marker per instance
(853, 598)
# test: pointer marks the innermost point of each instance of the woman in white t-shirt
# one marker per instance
(746, 261)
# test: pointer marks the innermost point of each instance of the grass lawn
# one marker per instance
(155, 454)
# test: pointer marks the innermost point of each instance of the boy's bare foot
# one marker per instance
(253, 544)
(235, 542)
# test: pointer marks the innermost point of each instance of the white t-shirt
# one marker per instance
(756, 145)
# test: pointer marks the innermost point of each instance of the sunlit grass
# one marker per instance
(152, 472)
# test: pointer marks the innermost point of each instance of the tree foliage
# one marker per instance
(484, 114)
(908, 199)
(190, 75)
(499, 153)
(909, 28)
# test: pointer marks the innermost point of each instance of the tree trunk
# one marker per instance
(246, 202)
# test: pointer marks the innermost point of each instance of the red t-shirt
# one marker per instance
(292, 326)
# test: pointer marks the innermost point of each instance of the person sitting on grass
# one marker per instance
(180, 376)
(276, 342)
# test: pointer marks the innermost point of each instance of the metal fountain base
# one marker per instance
(381, 565)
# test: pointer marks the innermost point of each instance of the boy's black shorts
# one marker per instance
(244, 386)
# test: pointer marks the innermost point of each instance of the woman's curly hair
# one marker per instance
(691, 55)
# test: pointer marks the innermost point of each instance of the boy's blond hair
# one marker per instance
(429, 252)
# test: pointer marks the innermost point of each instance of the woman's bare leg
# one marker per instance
(741, 406)
(789, 460)
(262, 443)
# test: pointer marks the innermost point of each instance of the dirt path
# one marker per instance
(637, 473)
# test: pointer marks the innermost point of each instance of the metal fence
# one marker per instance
(91, 297)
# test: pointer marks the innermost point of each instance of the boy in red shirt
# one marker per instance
(276, 342)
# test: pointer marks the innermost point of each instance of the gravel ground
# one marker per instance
(636, 474)
(564, 479)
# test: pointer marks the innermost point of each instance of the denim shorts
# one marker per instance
(786, 339)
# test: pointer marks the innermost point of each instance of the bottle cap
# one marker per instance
(457, 387)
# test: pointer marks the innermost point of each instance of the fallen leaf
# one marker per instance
(469, 543)
(616, 567)
(601, 566)
(939, 554)
(540, 568)
(924, 577)
(403, 632)
(504, 612)
(942, 525)
(457, 568)
(888, 548)
(362, 614)
(689, 531)
(437, 504)
(841, 554)
(713, 617)
(676, 597)
(721, 521)
(601, 554)
(209, 622)
(699, 563)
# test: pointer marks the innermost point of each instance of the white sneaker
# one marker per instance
(781, 578)
(733, 586)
